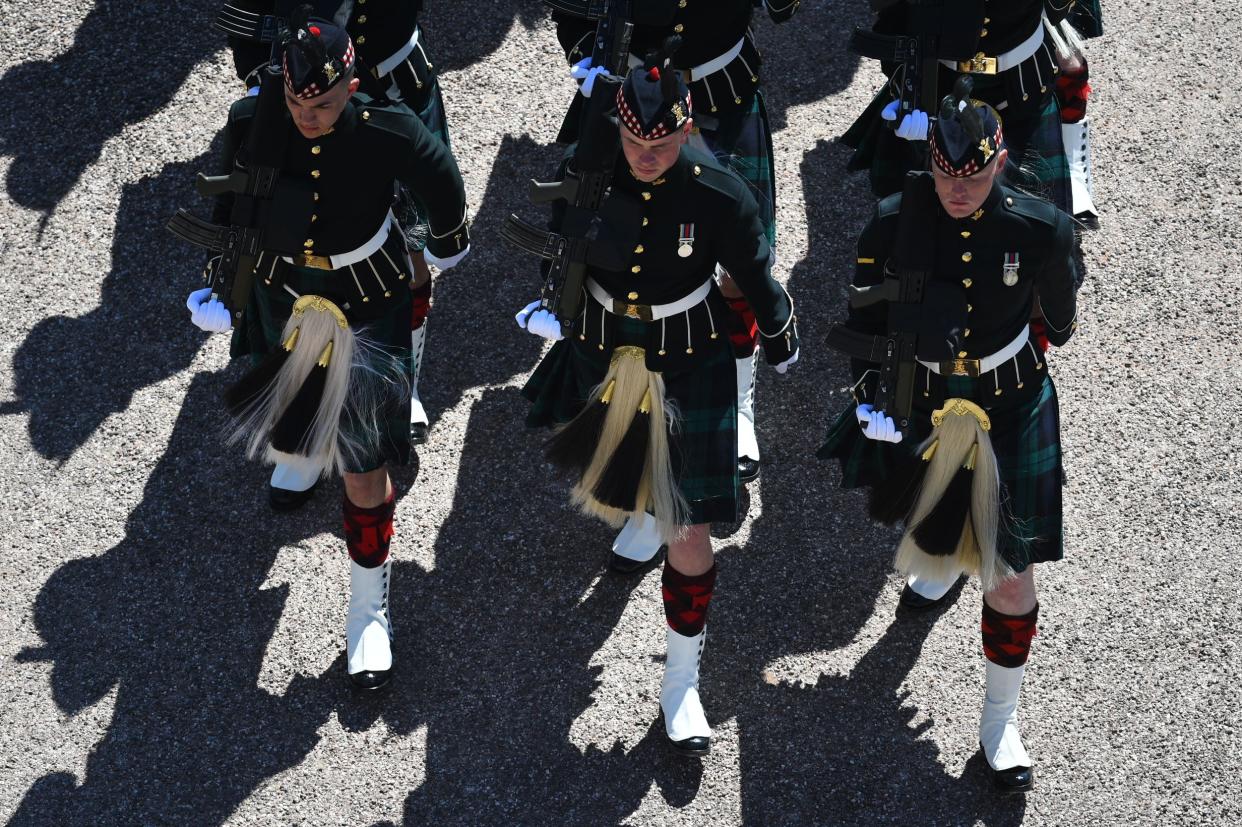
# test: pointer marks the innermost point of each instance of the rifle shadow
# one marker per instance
(175, 617)
(812, 575)
(72, 372)
(108, 79)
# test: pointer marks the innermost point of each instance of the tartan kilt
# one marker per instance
(1027, 442)
(741, 140)
(264, 320)
(703, 445)
(1037, 162)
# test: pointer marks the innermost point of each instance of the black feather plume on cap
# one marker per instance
(654, 101)
(967, 135)
(318, 54)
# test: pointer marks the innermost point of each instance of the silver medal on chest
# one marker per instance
(1010, 277)
(685, 240)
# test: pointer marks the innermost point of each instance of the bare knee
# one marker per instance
(691, 554)
(1016, 596)
(370, 489)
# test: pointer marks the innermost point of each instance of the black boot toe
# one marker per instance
(369, 681)
(747, 469)
(419, 432)
(284, 500)
(915, 602)
(698, 745)
(624, 565)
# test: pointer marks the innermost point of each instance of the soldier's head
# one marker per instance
(318, 65)
(967, 153)
(653, 109)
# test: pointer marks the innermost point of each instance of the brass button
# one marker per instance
(986, 20)
(983, 33)
(967, 256)
(681, 4)
(366, 113)
(639, 249)
(1008, 201)
(679, 28)
(698, 170)
(970, 308)
(310, 242)
(646, 196)
(632, 296)
(646, 221)
(316, 196)
(362, 18)
(362, 39)
(966, 332)
(314, 173)
(966, 283)
(965, 233)
(315, 150)
(636, 269)
(961, 354)
(314, 218)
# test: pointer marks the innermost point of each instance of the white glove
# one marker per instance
(586, 73)
(444, 263)
(536, 320)
(876, 425)
(784, 366)
(207, 313)
(913, 127)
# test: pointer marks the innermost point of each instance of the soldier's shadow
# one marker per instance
(174, 617)
(458, 45)
(126, 63)
(72, 372)
(815, 570)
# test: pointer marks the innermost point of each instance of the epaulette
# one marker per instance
(394, 119)
(1029, 206)
(710, 174)
(243, 109)
(889, 205)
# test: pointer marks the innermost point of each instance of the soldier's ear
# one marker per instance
(354, 83)
(685, 130)
(1001, 159)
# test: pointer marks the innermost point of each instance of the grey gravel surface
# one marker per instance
(170, 651)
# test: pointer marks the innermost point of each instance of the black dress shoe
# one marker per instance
(282, 499)
(624, 565)
(1014, 779)
(370, 681)
(418, 433)
(915, 602)
(747, 469)
(697, 746)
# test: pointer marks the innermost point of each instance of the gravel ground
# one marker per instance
(170, 651)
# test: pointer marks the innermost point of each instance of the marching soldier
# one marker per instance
(394, 63)
(643, 383)
(328, 315)
(1014, 52)
(976, 471)
(721, 62)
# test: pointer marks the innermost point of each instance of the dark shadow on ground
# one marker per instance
(174, 617)
(462, 33)
(804, 60)
(126, 63)
(72, 372)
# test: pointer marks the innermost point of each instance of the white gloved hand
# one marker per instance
(913, 127)
(207, 313)
(444, 263)
(586, 73)
(536, 320)
(784, 366)
(877, 425)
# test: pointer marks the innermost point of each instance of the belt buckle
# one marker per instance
(980, 64)
(961, 367)
(308, 260)
(641, 312)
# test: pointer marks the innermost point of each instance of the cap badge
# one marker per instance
(330, 71)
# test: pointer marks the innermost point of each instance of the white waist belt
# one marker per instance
(392, 62)
(362, 253)
(703, 70)
(658, 311)
(991, 363)
(1015, 55)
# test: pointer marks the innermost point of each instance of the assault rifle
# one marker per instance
(936, 30)
(266, 210)
(586, 180)
(904, 288)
